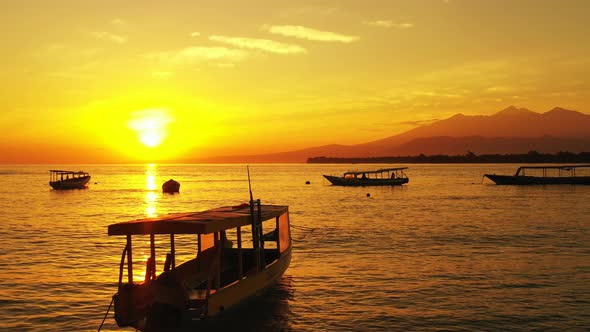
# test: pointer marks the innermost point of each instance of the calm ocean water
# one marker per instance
(444, 252)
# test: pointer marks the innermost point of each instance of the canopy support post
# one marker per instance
(172, 251)
(218, 244)
(153, 256)
(129, 261)
(240, 253)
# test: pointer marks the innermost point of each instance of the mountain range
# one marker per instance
(512, 130)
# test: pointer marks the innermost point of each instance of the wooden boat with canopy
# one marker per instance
(564, 174)
(232, 258)
(381, 177)
(60, 180)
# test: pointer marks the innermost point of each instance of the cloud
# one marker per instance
(118, 21)
(500, 89)
(197, 54)
(260, 44)
(64, 51)
(389, 24)
(415, 123)
(437, 94)
(494, 70)
(309, 10)
(212, 53)
(195, 34)
(55, 47)
(109, 37)
(302, 32)
(164, 75)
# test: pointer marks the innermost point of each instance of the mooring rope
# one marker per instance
(304, 228)
(304, 231)
(106, 314)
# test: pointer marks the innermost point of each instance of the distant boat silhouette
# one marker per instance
(381, 177)
(171, 187)
(63, 180)
(566, 175)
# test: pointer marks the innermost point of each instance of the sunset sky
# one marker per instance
(125, 81)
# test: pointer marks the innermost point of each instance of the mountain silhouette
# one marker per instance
(511, 130)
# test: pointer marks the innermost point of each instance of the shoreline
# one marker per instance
(532, 157)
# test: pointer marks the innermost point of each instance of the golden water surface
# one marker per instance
(445, 252)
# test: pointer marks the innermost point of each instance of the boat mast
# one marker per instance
(256, 226)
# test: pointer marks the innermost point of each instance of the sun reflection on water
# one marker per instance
(151, 203)
(150, 175)
(151, 197)
(142, 252)
(151, 182)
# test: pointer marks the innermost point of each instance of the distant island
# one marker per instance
(501, 137)
(532, 157)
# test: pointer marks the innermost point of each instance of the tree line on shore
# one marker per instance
(532, 157)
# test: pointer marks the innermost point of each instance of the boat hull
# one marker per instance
(357, 182)
(248, 286)
(536, 180)
(135, 305)
(76, 183)
(171, 187)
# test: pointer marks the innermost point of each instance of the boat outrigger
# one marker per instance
(223, 273)
(60, 180)
(380, 177)
(565, 174)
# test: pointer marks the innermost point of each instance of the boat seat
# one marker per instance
(193, 273)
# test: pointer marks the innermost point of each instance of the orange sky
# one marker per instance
(134, 81)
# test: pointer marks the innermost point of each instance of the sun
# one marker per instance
(150, 126)
(151, 139)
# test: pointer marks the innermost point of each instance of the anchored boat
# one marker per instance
(233, 259)
(171, 187)
(60, 180)
(565, 174)
(380, 177)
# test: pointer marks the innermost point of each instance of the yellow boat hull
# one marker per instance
(249, 285)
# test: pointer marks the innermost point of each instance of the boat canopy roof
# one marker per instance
(383, 170)
(204, 222)
(67, 172)
(564, 167)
